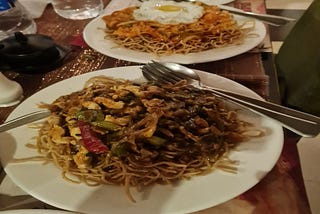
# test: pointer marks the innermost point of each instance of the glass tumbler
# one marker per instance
(77, 9)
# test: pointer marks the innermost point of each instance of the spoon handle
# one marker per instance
(304, 124)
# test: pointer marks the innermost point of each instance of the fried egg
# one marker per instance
(168, 12)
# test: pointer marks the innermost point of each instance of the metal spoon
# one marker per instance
(304, 124)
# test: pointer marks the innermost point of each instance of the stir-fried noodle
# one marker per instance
(116, 132)
(216, 28)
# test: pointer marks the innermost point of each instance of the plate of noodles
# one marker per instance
(198, 34)
(120, 147)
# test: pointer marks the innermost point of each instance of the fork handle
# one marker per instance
(28, 118)
(270, 19)
(304, 124)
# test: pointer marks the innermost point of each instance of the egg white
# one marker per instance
(168, 12)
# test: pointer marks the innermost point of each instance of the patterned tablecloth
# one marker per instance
(281, 191)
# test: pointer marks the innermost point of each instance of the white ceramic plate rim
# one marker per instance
(257, 157)
(94, 36)
(216, 2)
(35, 211)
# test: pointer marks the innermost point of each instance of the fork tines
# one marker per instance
(158, 72)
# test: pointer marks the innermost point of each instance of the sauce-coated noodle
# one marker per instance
(116, 132)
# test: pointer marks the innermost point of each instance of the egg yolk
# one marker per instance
(169, 8)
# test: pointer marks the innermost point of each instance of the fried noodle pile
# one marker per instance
(216, 28)
(116, 132)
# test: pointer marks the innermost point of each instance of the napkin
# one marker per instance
(35, 7)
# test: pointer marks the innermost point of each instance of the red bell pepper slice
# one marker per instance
(90, 140)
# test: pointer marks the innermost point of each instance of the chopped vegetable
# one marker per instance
(107, 125)
(90, 140)
(90, 115)
(120, 150)
(156, 141)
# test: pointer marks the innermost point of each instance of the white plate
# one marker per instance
(44, 182)
(216, 2)
(95, 37)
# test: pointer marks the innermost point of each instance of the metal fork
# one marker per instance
(269, 19)
(304, 124)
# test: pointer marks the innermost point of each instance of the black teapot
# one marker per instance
(30, 52)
